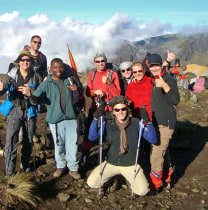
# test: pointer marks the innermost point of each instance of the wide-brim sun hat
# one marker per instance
(24, 53)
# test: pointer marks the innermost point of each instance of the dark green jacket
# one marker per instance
(49, 93)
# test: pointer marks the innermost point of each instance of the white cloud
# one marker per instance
(9, 16)
(84, 38)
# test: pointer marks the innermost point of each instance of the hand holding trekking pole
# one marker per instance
(144, 114)
(71, 86)
(99, 112)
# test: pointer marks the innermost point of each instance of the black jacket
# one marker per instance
(162, 104)
(113, 137)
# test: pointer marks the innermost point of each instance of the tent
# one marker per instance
(198, 70)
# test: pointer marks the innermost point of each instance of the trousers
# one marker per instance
(66, 144)
(15, 120)
(140, 186)
(160, 157)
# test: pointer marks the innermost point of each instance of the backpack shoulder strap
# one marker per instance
(41, 56)
(93, 75)
(110, 74)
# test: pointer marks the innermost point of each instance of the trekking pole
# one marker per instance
(29, 136)
(137, 155)
(99, 100)
(100, 148)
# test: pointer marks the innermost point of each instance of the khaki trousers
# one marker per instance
(160, 157)
(141, 185)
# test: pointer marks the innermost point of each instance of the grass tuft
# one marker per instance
(21, 191)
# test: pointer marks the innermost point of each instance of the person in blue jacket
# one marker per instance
(62, 96)
(122, 133)
(21, 111)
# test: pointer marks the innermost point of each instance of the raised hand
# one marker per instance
(162, 84)
(1, 85)
(170, 56)
(106, 80)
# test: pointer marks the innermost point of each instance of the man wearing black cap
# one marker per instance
(122, 133)
(164, 99)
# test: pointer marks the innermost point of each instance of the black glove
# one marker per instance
(144, 115)
(100, 111)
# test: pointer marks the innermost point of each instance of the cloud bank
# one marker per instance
(84, 39)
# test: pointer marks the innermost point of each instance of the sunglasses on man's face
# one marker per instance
(124, 70)
(121, 109)
(139, 71)
(102, 61)
(28, 60)
(36, 42)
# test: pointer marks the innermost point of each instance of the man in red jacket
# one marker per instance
(139, 91)
(102, 83)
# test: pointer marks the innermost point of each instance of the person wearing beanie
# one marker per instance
(164, 99)
(22, 112)
(102, 85)
(127, 76)
(122, 133)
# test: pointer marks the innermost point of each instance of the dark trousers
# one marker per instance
(15, 120)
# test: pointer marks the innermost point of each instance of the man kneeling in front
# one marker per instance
(122, 132)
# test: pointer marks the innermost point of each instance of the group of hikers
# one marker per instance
(130, 106)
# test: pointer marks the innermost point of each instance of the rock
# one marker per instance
(87, 200)
(196, 190)
(63, 197)
(204, 192)
(187, 95)
(202, 201)
(124, 186)
(182, 194)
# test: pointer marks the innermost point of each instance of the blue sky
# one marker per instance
(178, 12)
(89, 26)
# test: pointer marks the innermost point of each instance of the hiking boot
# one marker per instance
(155, 180)
(59, 172)
(35, 139)
(20, 139)
(75, 174)
(8, 174)
(26, 169)
(167, 175)
(2, 152)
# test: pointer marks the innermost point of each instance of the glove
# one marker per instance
(100, 111)
(144, 115)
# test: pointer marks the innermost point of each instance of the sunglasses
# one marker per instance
(37, 42)
(121, 109)
(139, 71)
(28, 60)
(102, 61)
(124, 70)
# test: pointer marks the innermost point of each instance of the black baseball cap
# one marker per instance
(154, 59)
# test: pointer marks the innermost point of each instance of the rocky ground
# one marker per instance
(189, 152)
